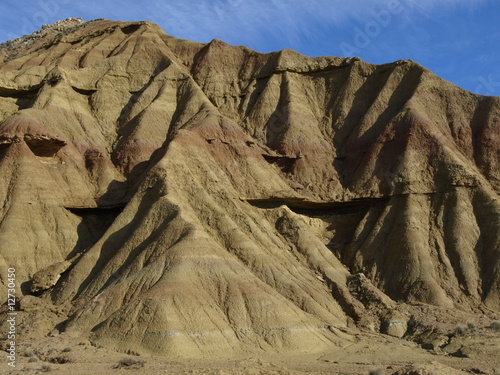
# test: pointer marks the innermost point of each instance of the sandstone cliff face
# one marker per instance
(214, 200)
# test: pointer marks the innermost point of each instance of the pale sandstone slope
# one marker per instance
(214, 200)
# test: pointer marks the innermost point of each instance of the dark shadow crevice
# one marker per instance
(95, 222)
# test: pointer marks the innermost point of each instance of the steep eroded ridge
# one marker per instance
(271, 202)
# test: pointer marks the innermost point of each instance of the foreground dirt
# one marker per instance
(460, 343)
(370, 355)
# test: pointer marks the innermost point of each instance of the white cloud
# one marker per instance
(251, 21)
(255, 22)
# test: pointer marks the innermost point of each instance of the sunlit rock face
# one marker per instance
(204, 200)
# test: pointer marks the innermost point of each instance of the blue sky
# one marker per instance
(458, 40)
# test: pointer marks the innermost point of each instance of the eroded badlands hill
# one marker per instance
(195, 199)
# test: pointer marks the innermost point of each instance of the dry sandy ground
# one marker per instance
(475, 353)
